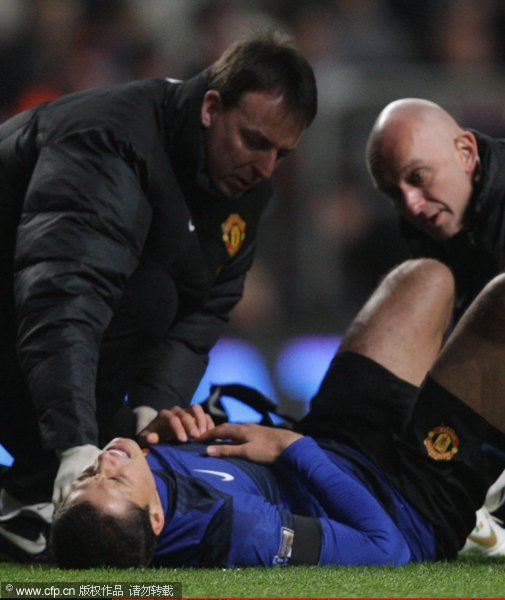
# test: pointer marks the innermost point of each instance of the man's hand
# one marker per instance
(176, 424)
(253, 442)
(72, 462)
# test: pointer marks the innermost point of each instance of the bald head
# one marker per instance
(425, 162)
(400, 119)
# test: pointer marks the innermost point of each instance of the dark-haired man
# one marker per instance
(128, 222)
(377, 473)
(448, 185)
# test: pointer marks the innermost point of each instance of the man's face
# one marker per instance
(428, 177)
(120, 474)
(245, 143)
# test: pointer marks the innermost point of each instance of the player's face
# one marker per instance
(245, 143)
(120, 474)
(428, 178)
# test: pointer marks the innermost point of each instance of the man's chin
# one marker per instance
(230, 188)
(231, 192)
(441, 231)
(442, 234)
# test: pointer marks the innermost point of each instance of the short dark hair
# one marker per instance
(82, 536)
(267, 62)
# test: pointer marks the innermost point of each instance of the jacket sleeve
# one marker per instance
(356, 530)
(173, 371)
(83, 226)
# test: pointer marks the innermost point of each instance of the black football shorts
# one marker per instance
(439, 454)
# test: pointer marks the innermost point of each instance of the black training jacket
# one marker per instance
(476, 254)
(96, 186)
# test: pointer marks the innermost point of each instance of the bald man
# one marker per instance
(448, 186)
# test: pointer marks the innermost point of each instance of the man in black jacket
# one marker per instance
(448, 185)
(128, 223)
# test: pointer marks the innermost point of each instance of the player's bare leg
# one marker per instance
(403, 323)
(472, 363)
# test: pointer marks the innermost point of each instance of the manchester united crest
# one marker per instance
(442, 443)
(233, 230)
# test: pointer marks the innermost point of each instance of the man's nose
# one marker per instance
(413, 201)
(106, 463)
(265, 164)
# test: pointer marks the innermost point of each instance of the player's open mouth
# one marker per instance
(118, 451)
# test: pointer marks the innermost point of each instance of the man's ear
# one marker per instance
(466, 146)
(157, 518)
(210, 106)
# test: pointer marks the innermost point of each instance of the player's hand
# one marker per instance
(253, 442)
(176, 424)
(72, 462)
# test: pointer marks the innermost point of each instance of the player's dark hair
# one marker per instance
(267, 62)
(82, 536)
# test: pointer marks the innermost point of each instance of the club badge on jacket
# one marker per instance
(233, 230)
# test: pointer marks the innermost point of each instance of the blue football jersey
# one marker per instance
(232, 512)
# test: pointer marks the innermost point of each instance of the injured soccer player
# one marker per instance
(400, 445)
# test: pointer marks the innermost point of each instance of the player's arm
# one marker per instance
(355, 528)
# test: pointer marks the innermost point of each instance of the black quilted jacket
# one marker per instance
(95, 188)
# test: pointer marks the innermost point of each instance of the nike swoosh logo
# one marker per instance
(29, 546)
(487, 541)
(221, 474)
(191, 227)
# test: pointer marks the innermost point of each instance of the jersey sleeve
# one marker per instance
(262, 533)
(356, 530)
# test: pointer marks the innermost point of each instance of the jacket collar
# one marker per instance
(185, 132)
(491, 183)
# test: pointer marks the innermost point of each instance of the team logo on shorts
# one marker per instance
(442, 443)
(233, 230)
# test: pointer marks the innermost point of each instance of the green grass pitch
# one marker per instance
(469, 576)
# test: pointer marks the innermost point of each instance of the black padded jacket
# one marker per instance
(97, 186)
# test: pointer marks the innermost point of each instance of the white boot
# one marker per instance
(487, 537)
(496, 494)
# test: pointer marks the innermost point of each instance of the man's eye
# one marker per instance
(416, 178)
(120, 480)
(254, 142)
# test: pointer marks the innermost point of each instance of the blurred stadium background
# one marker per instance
(328, 237)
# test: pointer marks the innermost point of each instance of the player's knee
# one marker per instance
(430, 274)
(495, 290)
(440, 276)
